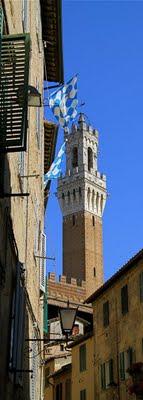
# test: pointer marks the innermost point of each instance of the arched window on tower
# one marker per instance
(90, 158)
(97, 201)
(75, 157)
(68, 197)
(80, 194)
(74, 194)
(88, 198)
(93, 199)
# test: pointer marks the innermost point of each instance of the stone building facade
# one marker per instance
(22, 238)
(118, 330)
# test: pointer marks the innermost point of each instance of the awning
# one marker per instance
(51, 15)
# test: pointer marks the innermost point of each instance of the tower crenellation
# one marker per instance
(82, 198)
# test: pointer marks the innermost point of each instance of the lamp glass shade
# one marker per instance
(67, 318)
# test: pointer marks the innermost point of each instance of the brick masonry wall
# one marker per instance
(62, 290)
(82, 249)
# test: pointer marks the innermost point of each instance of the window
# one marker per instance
(90, 159)
(75, 157)
(83, 394)
(73, 220)
(63, 196)
(68, 389)
(82, 357)
(106, 314)
(124, 299)
(106, 374)
(126, 360)
(80, 194)
(25, 15)
(93, 220)
(94, 271)
(59, 391)
(141, 286)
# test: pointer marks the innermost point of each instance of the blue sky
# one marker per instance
(103, 42)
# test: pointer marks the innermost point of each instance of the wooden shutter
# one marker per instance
(14, 71)
(106, 314)
(141, 286)
(103, 376)
(122, 366)
(124, 299)
(43, 262)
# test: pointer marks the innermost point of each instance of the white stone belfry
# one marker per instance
(82, 188)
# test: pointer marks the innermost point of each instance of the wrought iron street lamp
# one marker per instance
(34, 97)
(67, 319)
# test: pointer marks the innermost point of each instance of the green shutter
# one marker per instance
(122, 366)
(106, 314)
(111, 378)
(45, 309)
(103, 376)
(124, 299)
(141, 286)
(14, 71)
(82, 357)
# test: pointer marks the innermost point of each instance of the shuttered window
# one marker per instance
(17, 328)
(14, 72)
(124, 299)
(107, 377)
(43, 262)
(83, 394)
(141, 286)
(106, 314)
(122, 366)
(82, 357)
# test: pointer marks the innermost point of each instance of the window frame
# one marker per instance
(124, 299)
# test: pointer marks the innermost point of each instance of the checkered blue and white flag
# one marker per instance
(64, 102)
(55, 168)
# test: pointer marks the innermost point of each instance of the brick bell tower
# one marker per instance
(82, 198)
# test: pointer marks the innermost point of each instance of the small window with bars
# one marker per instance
(124, 299)
(106, 314)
